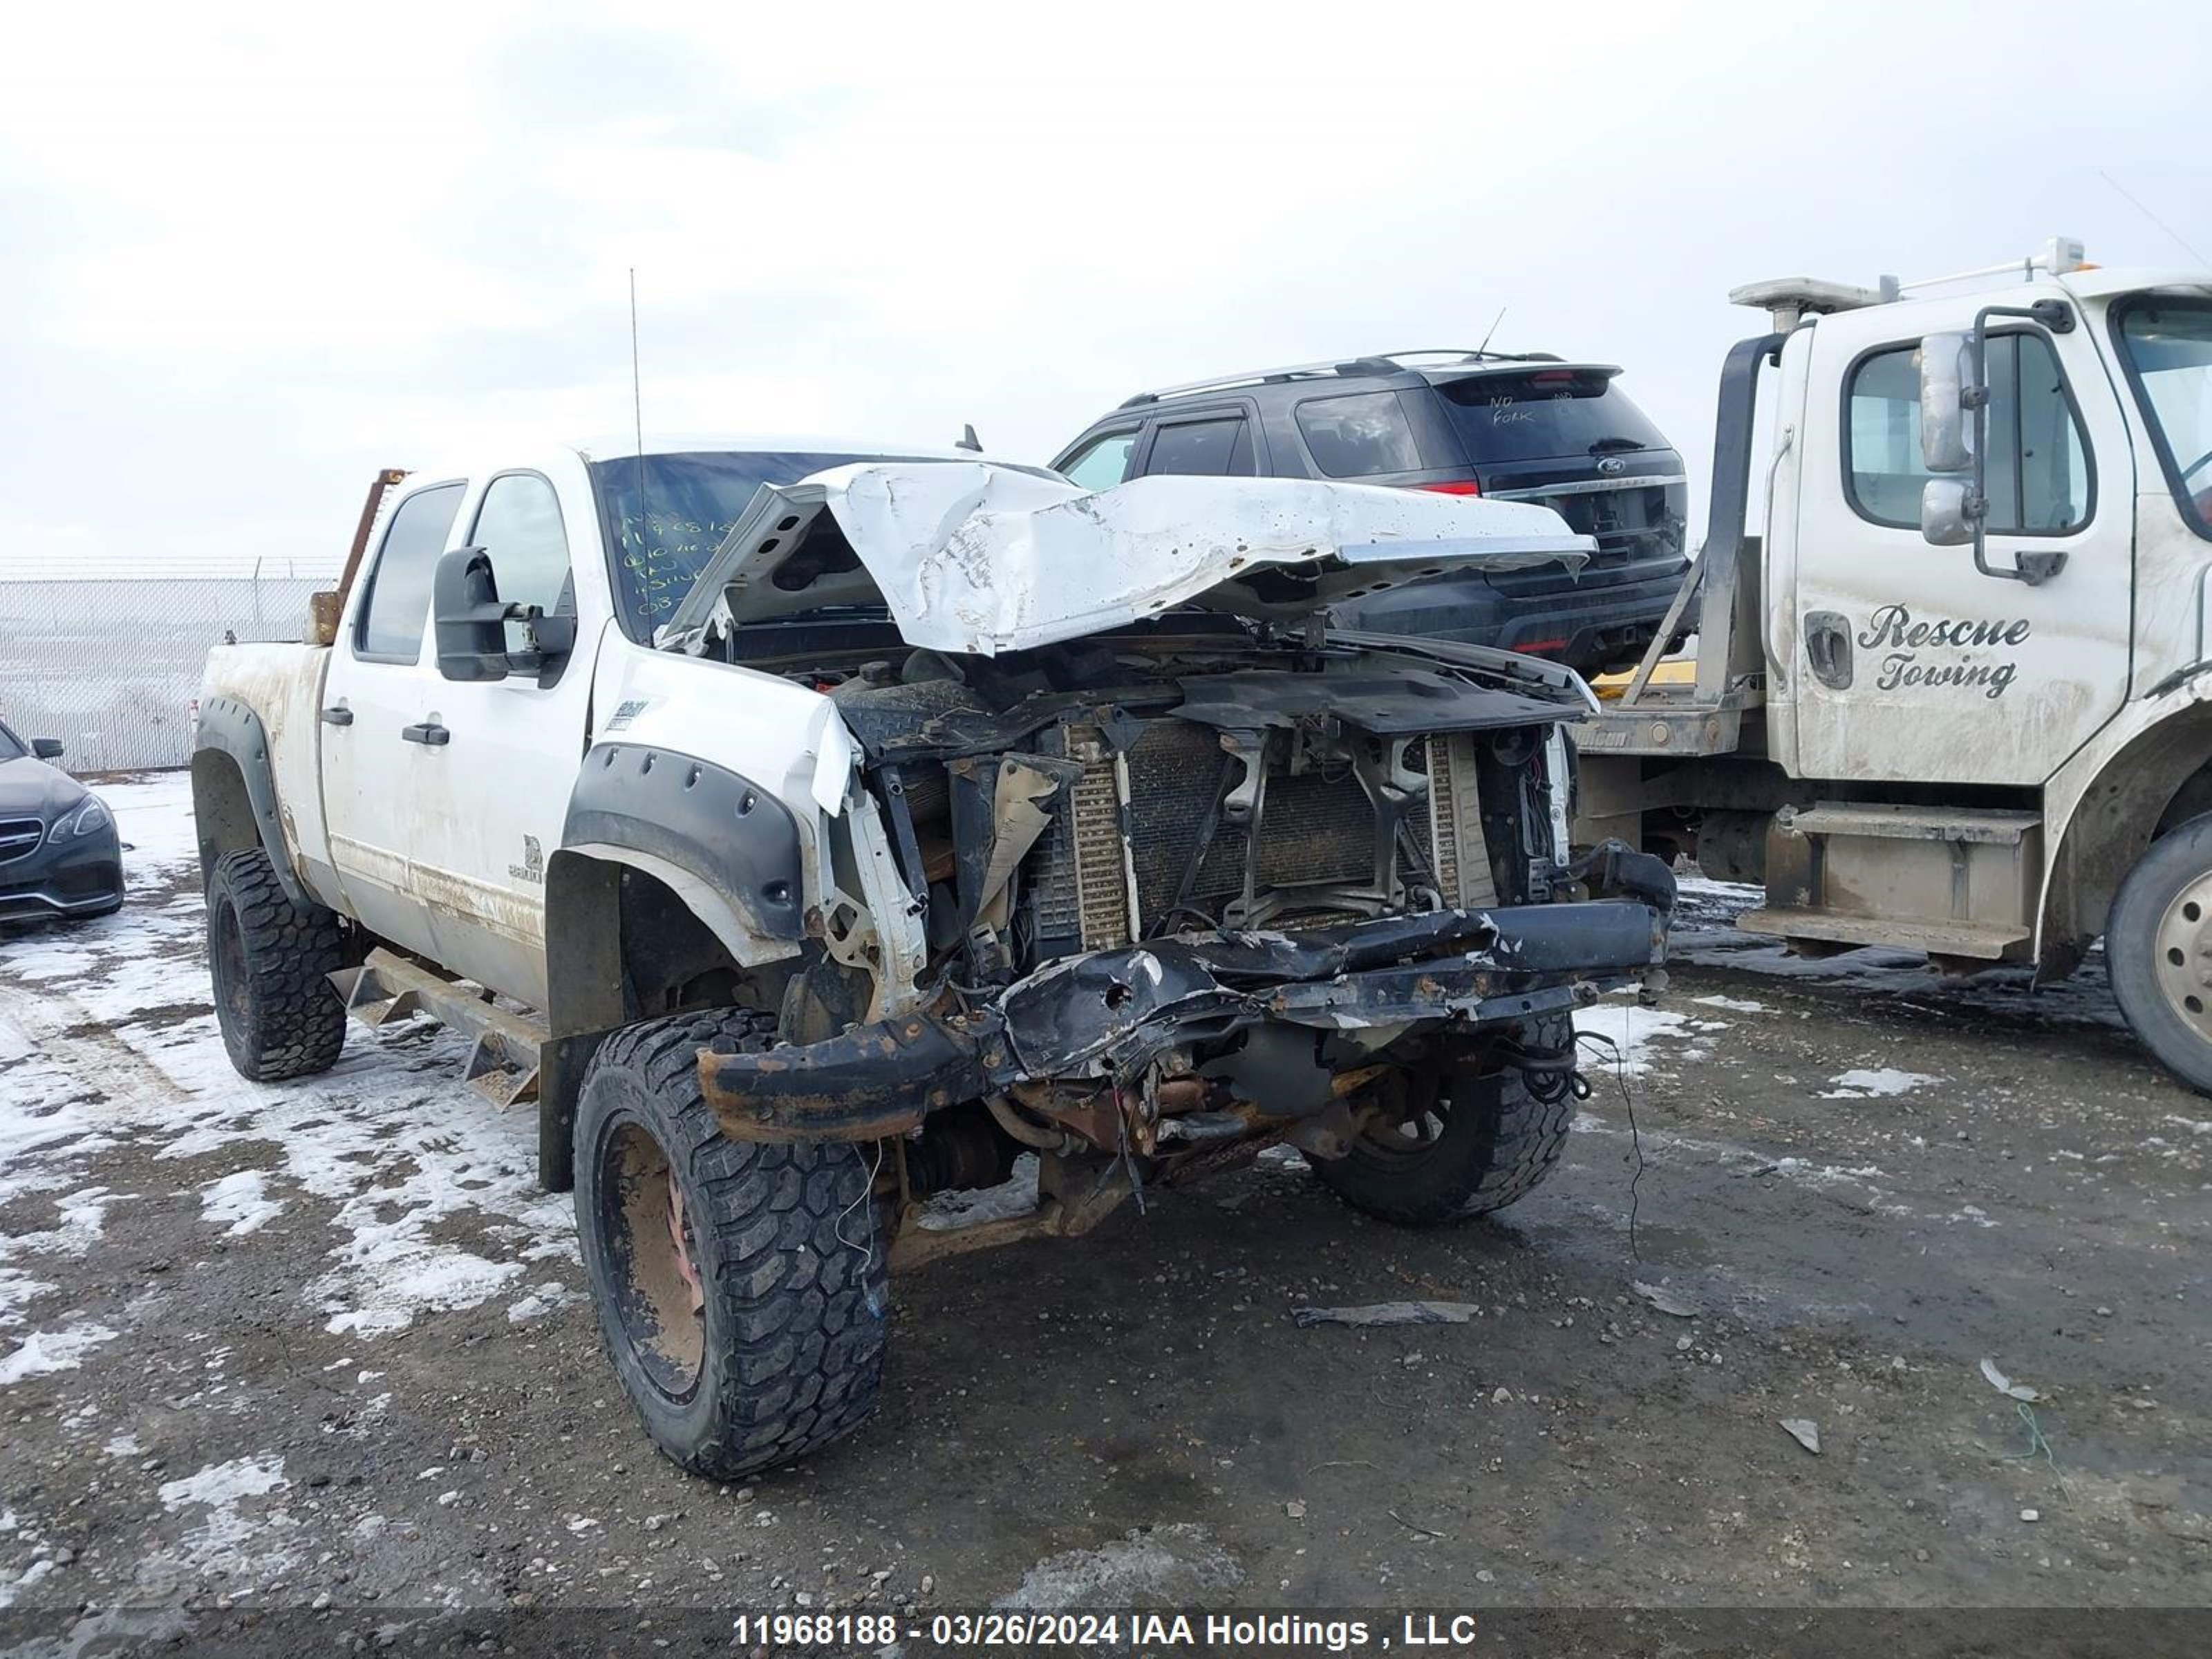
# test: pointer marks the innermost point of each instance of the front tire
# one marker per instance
(742, 1289)
(2158, 948)
(271, 961)
(1471, 1143)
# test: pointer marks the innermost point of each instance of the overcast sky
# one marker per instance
(244, 263)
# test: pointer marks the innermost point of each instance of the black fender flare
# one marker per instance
(734, 843)
(737, 838)
(227, 726)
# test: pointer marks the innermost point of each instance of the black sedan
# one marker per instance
(58, 852)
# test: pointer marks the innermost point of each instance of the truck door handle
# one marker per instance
(337, 714)
(427, 732)
(1828, 647)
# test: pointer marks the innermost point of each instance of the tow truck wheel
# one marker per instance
(741, 1288)
(2157, 946)
(1465, 1143)
(271, 961)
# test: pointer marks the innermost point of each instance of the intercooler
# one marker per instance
(1112, 869)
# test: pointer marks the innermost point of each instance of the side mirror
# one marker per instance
(46, 748)
(1954, 404)
(1948, 389)
(471, 622)
(1948, 512)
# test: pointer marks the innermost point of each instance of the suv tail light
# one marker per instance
(1456, 487)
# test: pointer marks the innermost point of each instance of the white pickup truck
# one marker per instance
(807, 830)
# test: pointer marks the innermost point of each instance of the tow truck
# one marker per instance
(1956, 697)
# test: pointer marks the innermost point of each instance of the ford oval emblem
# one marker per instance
(1611, 463)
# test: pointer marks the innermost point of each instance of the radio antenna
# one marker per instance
(637, 416)
(2153, 217)
(1486, 338)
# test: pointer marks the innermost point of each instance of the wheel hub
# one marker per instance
(1412, 1116)
(680, 1234)
(2184, 955)
(658, 1296)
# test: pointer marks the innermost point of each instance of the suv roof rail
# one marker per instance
(1378, 362)
(1266, 376)
(1473, 355)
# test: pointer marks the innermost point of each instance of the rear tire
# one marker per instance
(1479, 1142)
(2160, 954)
(742, 1289)
(271, 961)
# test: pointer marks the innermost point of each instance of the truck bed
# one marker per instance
(283, 685)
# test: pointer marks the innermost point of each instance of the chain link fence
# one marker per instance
(111, 666)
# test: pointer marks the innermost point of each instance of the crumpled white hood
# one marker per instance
(977, 558)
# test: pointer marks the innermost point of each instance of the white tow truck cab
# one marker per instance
(1957, 698)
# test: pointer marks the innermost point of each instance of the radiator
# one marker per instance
(1462, 858)
(1091, 889)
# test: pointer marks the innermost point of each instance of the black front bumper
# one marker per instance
(1112, 1011)
(79, 877)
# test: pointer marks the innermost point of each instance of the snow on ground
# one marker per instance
(222, 1533)
(108, 1037)
(62, 1350)
(1620, 1035)
(1875, 1083)
(535, 1303)
(241, 1200)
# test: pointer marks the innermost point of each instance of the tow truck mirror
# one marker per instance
(470, 621)
(1946, 403)
(1946, 512)
(46, 748)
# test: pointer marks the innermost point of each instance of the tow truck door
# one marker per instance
(1910, 663)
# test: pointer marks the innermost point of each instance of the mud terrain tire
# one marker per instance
(2155, 951)
(778, 1348)
(271, 961)
(1492, 1142)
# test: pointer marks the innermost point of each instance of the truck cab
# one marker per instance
(1955, 698)
(807, 830)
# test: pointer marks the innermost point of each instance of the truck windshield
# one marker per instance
(666, 514)
(1543, 414)
(2169, 348)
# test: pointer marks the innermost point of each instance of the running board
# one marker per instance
(1956, 884)
(503, 1060)
(1990, 942)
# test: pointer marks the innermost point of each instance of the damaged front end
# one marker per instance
(1173, 917)
(1107, 1044)
(1146, 899)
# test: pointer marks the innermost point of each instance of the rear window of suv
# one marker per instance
(1358, 436)
(1544, 413)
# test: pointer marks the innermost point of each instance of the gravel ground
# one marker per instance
(324, 1345)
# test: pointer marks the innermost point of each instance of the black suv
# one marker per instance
(1515, 428)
